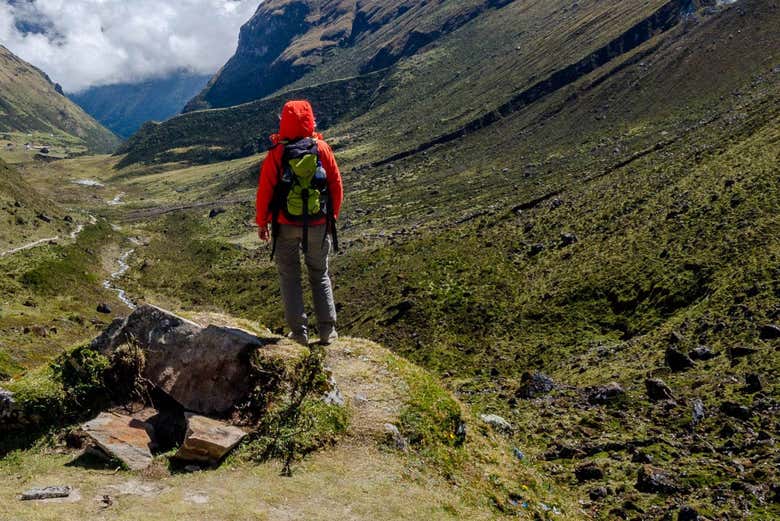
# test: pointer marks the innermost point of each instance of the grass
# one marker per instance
(30, 104)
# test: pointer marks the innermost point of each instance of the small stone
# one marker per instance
(588, 472)
(612, 392)
(658, 390)
(395, 436)
(770, 332)
(653, 480)
(598, 493)
(103, 308)
(687, 513)
(741, 351)
(641, 457)
(497, 422)
(533, 385)
(752, 383)
(567, 239)
(208, 440)
(702, 353)
(37, 494)
(735, 410)
(333, 396)
(677, 360)
(698, 413)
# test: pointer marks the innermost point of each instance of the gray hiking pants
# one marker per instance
(288, 247)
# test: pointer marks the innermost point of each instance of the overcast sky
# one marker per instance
(81, 43)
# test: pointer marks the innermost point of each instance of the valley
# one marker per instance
(569, 221)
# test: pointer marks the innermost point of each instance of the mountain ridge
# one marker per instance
(31, 102)
(124, 108)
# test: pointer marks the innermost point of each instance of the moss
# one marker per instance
(292, 420)
(70, 269)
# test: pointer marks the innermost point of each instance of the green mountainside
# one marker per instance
(31, 103)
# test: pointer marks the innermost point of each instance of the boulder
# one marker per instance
(752, 383)
(612, 392)
(598, 493)
(126, 438)
(103, 308)
(735, 410)
(741, 351)
(588, 472)
(208, 440)
(702, 353)
(770, 332)
(533, 385)
(687, 513)
(657, 390)
(677, 360)
(497, 422)
(653, 480)
(205, 369)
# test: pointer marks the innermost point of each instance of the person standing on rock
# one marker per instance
(299, 196)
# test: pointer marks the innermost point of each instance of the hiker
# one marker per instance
(299, 196)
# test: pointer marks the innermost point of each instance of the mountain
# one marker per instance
(286, 39)
(566, 212)
(123, 108)
(30, 102)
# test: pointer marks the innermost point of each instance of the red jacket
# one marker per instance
(297, 122)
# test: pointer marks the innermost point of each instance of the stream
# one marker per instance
(109, 283)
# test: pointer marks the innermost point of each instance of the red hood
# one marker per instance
(297, 122)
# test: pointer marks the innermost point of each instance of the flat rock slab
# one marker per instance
(38, 494)
(208, 440)
(127, 439)
(205, 369)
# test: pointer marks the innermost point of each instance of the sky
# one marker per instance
(84, 43)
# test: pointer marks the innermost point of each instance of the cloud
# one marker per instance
(84, 43)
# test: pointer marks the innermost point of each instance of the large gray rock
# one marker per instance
(126, 438)
(205, 369)
(208, 440)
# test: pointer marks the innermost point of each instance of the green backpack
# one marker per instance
(302, 191)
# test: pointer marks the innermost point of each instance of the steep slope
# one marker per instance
(547, 47)
(288, 38)
(30, 102)
(125, 107)
(25, 216)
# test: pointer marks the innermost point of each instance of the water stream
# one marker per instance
(109, 283)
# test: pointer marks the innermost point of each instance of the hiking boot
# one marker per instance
(328, 335)
(300, 338)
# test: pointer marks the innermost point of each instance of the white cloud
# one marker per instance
(82, 43)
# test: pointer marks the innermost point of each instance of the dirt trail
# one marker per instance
(29, 246)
